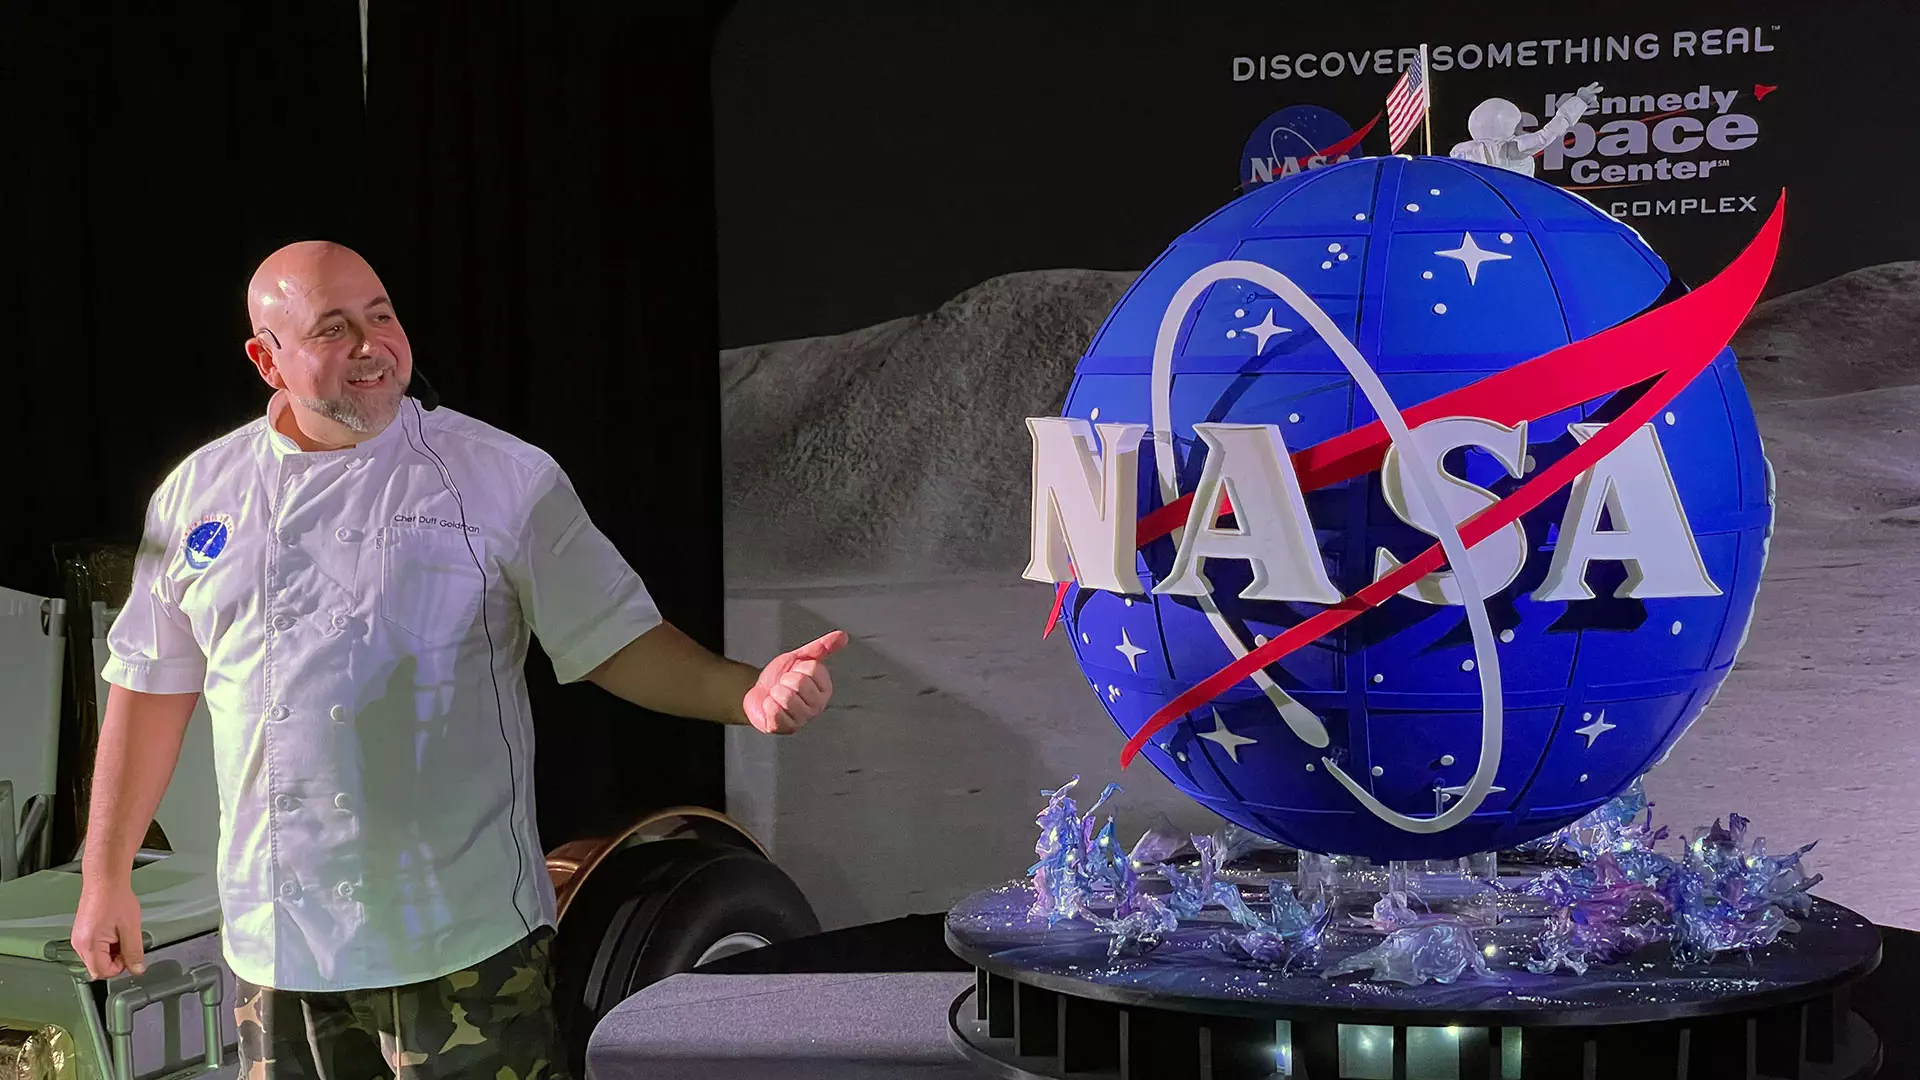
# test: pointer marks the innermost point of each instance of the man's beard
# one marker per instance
(359, 413)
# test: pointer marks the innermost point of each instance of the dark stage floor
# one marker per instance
(1889, 999)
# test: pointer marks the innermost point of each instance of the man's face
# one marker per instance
(342, 354)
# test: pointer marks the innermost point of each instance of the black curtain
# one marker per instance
(154, 154)
(543, 216)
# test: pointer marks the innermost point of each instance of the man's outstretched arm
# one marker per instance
(668, 672)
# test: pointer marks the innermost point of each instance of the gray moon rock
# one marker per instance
(898, 450)
(1859, 331)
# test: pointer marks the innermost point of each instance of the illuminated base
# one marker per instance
(1048, 1003)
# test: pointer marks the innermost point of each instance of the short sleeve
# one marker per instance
(151, 647)
(576, 590)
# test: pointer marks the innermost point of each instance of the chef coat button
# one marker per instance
(339, 620)
(346, 890)
(343, 802)
(339, 713)
(282, 622)
(286, 537)
(277, 713)
(343, 533)
(287, 888)
(284, 802)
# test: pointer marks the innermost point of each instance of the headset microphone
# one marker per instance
(422, 391)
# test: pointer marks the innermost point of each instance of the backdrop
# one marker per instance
(924, 212)
(544, 180)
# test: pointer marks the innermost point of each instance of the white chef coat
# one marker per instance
(360, 651)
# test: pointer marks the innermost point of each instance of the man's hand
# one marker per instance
(794, 688)
(140, 737)
(1589, 94)
(106, 928)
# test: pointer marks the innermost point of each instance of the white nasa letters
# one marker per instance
(1650, 531)
(1084, 515)
(1248, 463)
(1497, 559)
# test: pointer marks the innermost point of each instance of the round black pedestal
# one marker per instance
(1048, 1003)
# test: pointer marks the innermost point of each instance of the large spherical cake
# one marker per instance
(1440, 273)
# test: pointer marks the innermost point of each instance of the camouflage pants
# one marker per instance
(493, 1021)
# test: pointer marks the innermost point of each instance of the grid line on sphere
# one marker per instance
(1373, 295)
(1328, 185)
(1541, 235)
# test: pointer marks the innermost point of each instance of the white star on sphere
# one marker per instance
(1472, 255)
(1596, 729)
(1264, 330)
(1227, 739)
(1129, 650)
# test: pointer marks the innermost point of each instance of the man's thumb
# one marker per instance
(823, 646)
(133, 949)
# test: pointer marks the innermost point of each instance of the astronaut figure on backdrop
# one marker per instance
(1497, 138)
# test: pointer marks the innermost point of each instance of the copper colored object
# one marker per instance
(569, 864)
(43, 1054)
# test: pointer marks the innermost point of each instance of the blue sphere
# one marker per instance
(1441, 273)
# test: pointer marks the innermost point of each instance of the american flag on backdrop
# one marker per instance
(1407, 104)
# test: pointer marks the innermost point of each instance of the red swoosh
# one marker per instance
(1350, 141)
(1676, 342)
(1343, 146)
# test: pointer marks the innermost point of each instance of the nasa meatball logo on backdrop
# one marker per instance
(1655, 146)
(1407, 508)
(1299, 137)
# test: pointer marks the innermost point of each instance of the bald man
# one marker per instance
(352, 581)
